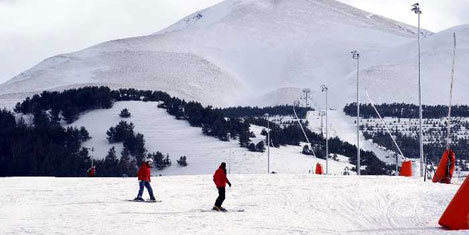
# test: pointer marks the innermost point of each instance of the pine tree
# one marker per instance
(124, 163)
(84, 135)
(243, 140)
(307, 150)
(260, 146)
(167, 161)
(125, 113)
(182, 161)
(110, 162)
(158, 159)
(252, 147)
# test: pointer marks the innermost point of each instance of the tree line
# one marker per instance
(43, 149)
(67, 105)
(410, 146)
(281, 110)
(402, 110)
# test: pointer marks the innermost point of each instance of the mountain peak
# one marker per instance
(282, 12)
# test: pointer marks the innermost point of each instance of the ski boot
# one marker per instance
(138, 199)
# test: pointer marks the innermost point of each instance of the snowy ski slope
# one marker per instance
(274, 204)
(343, 127)
(162, 132)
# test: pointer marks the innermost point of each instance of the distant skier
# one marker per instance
(220, 180)
(144, 179)
(91, 171)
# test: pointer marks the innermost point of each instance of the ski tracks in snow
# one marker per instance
(274, 204)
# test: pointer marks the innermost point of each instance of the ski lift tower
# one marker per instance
(322, 114)
(416, 10)
(306, 93)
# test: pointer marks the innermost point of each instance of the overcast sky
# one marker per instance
(32, 30)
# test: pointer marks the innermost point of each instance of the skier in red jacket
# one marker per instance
(144, 179)
(220, 180)
(91, 171)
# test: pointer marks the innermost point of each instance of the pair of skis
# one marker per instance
(224, 211)
(155, 201)
(147, 201)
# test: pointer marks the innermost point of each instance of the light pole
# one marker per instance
(416, 10)
(268, 143)
(325, 89)
(356, 56)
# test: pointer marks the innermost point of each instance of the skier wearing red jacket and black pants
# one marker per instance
(144, 180)
(220, 180)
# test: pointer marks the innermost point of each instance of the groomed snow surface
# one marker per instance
(273, 204)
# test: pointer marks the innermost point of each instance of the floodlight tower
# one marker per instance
(356, 56)
(416, 10)
(325, 89)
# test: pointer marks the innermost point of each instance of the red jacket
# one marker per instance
(144, 172)
(220, 178)
(91, 171)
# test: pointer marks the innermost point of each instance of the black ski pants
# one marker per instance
(221, 196)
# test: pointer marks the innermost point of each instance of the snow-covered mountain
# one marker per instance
(252, 51)
(393, 76)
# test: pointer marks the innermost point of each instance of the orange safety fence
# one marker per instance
(319, 170)
(406, 169)
(445, 169)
